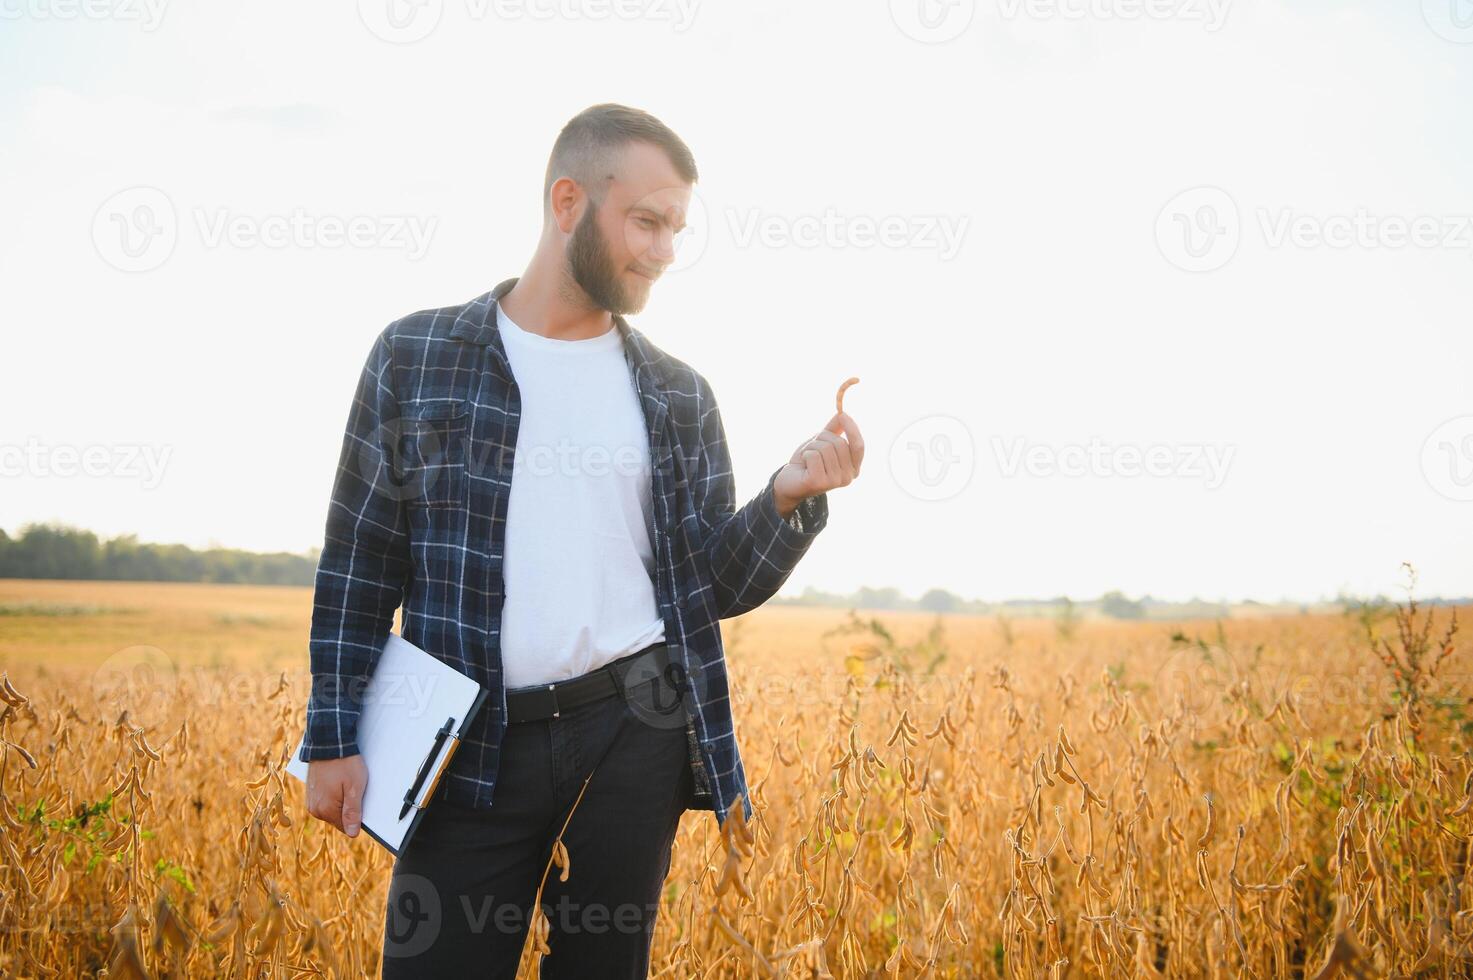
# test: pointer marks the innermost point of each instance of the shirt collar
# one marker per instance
(476, 324)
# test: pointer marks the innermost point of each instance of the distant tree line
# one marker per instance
(1111, 605)
(57, 551)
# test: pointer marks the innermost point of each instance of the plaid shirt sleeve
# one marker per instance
(751, 551)
(363, 568)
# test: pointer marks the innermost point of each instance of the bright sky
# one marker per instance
(1166, 296)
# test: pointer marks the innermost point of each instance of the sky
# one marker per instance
(1165, 296)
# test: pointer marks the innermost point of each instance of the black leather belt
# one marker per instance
(550, 700)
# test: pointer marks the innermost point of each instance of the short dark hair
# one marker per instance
(586, 147)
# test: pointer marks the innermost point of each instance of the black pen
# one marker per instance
(424, 768)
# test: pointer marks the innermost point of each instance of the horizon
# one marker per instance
(789, 595)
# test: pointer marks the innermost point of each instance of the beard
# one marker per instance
(592, 268)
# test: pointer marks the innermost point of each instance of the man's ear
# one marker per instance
(566, 199)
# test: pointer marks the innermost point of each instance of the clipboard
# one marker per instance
(416, 709)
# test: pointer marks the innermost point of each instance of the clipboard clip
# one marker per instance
(413, 793)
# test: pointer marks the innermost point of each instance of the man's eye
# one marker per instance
(646, 222)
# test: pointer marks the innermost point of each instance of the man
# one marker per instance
(550, 498)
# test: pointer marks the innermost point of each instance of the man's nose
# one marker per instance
(662, 252)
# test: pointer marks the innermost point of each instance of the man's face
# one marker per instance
(618, 250)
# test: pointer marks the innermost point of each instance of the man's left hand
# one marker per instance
(828, 460)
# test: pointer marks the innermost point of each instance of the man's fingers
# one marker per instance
(838, 469)
(844, 423)
(327, 807)
(813, 461)
(846, 459)
(352, 817)
(834, 456)
(856, 441)
(843, 465)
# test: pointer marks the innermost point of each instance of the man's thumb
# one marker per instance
(352, 808)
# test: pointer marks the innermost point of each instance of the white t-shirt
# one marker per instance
(579, 567)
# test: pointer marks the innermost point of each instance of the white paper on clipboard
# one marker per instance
(406, 702)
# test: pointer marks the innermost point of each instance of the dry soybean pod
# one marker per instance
(839, 398)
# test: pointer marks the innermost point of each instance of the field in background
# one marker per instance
(84, 623)
(959, 795)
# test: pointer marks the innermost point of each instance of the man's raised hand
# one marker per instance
(830, 459)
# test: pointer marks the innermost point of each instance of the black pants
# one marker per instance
(462, 889)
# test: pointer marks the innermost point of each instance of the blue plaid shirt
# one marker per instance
(418, 519)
